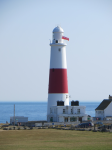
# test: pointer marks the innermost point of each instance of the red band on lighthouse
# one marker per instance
(58, 81)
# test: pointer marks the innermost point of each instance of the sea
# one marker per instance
(35, 110)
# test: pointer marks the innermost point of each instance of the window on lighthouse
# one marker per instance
(56, 41)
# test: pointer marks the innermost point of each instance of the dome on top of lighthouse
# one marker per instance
(58, 29)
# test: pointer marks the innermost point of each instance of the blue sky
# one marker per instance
(25, 29)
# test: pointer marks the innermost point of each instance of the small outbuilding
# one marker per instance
(104, 110)
(18, 119)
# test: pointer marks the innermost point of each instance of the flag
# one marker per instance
(65, 38)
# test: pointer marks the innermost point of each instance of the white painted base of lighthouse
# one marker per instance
(53, 98)
(67, 114)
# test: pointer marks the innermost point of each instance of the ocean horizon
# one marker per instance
(35, 110)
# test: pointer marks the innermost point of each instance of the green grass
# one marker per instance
(45, 139)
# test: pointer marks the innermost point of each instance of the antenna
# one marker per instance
(14, 114)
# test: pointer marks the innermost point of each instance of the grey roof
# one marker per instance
(104, 104)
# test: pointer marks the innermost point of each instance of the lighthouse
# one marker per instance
(58, 109)
(58, 83)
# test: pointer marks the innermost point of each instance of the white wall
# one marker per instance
(58, 55)
(108, 110)
(57, 110)
(84, 118)
(61, 119)
(103, 113)
(52, 100)
(82, 109)
(99, 114)
(68, 109)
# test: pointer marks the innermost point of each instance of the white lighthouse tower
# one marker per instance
(58, 109)
(58, 84)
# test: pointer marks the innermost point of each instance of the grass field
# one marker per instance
(45, 139)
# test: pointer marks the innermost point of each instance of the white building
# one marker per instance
(58, 109)
(104, 110)
(18, 119)
(67, 114)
